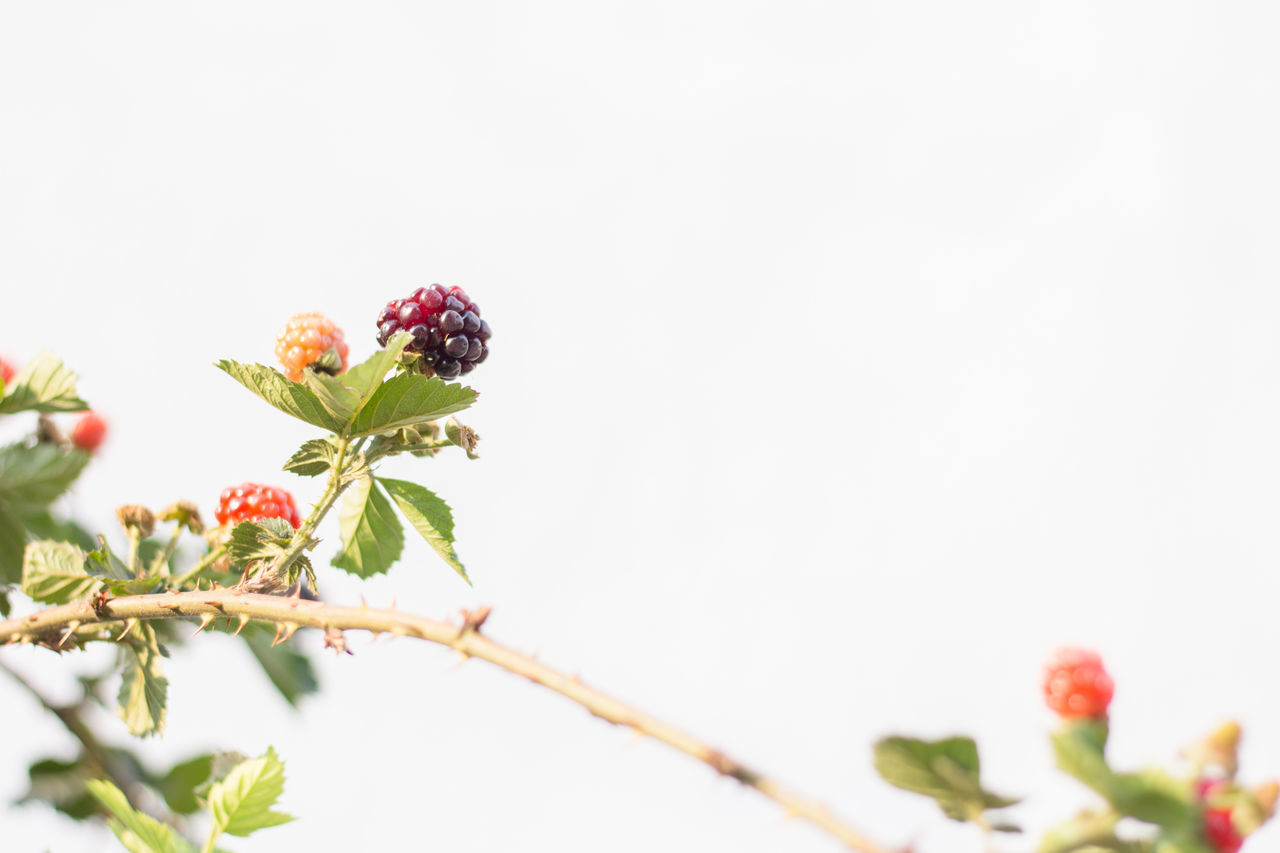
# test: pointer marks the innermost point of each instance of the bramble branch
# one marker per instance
(97, 619)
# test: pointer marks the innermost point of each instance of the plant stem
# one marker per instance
(335, 486)
(160, 566)
(208, 560)
(81, 620)
(135, 544)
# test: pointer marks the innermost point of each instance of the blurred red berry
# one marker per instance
(254, 502)
(1076, 685)
(1220, 832)
(7, 372)
(304, 339)
(89, 431)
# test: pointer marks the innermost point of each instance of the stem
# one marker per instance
(52, 627)
(208, 560)
(336, 485)
(135, 543)
(160, 566)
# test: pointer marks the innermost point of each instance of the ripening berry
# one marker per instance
(1220, 832)
(254, 502)
(7, 372)
(89, 432)
(305, 339)
(1076, 685)
(446, 328)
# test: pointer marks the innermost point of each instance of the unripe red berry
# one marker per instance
(89, 432)
(1220, 831)
(1076, 685)
(254, 502)
(7, 372)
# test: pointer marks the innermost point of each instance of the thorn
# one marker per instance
(364, 605)
(66, 635)
(376, 632)
(393, 605)
(13, 638)
(129, 625)
(205, 621)
(244, 620)
(473, 619)
(26, 640)
(283, 632)
(336, 640)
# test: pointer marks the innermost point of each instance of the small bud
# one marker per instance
(47, 432)
(1220, 749)
(134, 517)
(1266, 795)
(463, 436)
(186, 514)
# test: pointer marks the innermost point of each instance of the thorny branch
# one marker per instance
(73, 624)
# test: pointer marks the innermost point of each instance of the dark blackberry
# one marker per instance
(448, 333)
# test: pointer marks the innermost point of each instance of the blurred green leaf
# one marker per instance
(241, 803)
(946, 770)
(54, 572)
(13, 541)
(178, 786)
(42, 525)
(144, 688)
(43, 385)
(429, 515)
(372, 537)
(289, 669)
(408, 399)
(292, 398)
(31, 478)
(61, 784)
(137, 831)
(1155, 797)
(1078, 747)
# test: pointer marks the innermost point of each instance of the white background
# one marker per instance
(848, 357)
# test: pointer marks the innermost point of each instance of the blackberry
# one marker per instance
(448, 335)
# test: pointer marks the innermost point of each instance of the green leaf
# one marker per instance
(1155, 797)
(292, 398)
(366, 376)
(43, 385)
(241, 803)
(42, 525)
(289, 669)
(144, 688)
(178, 786)
(946, 770)
(372, 537)
(31, 478)
(314, 457)
(259, 540)
(429, 515)
(409, 399)
(54, 572)
(103, 562)
(148, 834)
(61, 784)
(13, 541)
(1078, 747)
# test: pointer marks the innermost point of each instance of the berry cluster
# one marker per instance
(305, 340)
(1076, 685)
(446, 327)
(254, 502)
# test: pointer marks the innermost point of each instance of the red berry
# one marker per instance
(446, 327)
(304, 339)
(7, 372)
(1076, 685)
(1220, 832)
(89, 431)
(254, 502)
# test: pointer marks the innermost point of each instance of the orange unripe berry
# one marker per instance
(305, 339)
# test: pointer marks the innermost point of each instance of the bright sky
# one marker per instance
(847, 358)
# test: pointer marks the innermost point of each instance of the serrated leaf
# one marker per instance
(258, 540)
(289, 669)
(409, 399)
(43, 385)
(314, 457)
(54, 572)
(144, 688)
(103, 562)
(178, 786)
(241, 803)
(31, 478)
(372, 537)
(429, 515)
(148, 834)
(292, 398)
(946, 770)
